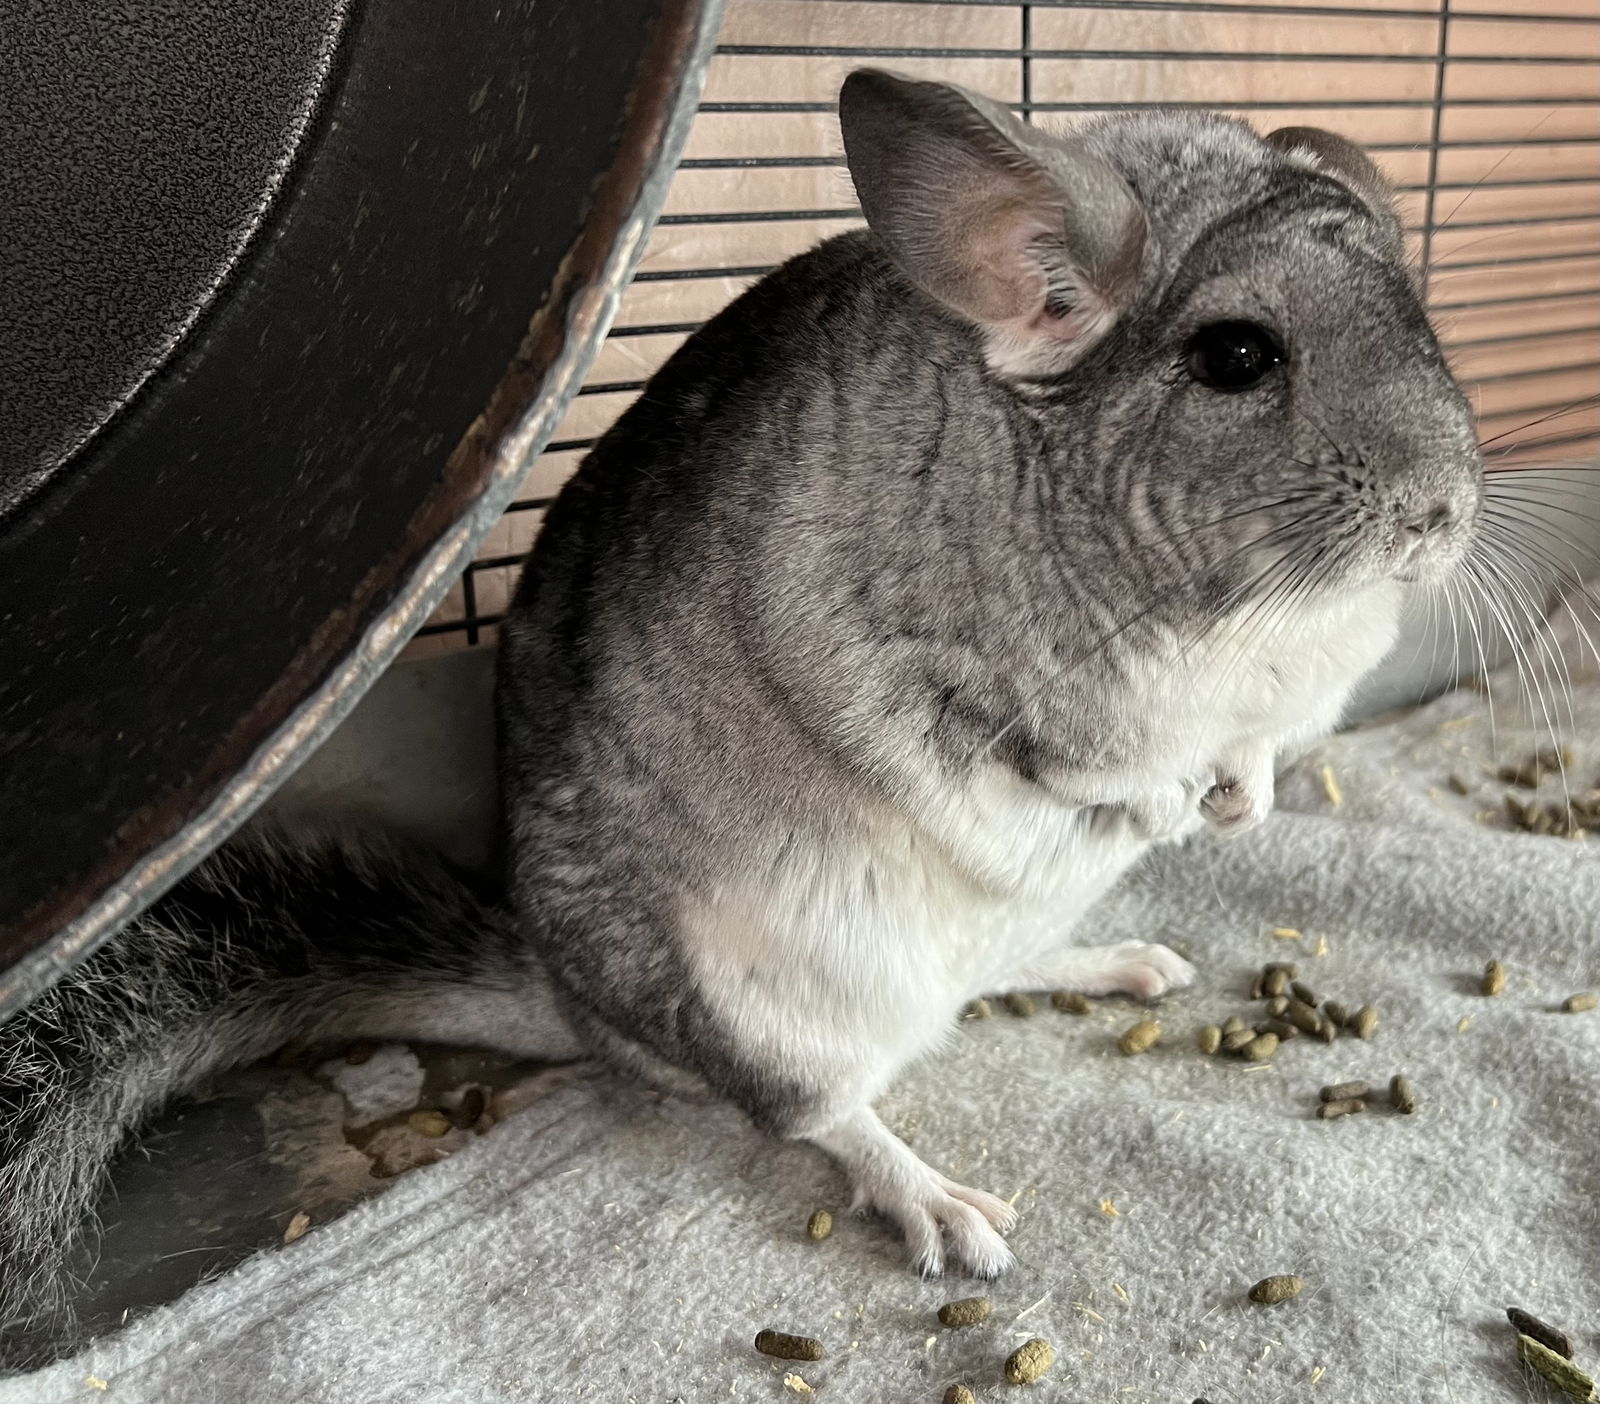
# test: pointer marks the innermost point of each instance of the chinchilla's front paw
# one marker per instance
(1233, 807)
(1243, 795)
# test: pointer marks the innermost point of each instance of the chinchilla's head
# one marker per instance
(1217, 330)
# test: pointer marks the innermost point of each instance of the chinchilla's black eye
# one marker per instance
(1233, 356)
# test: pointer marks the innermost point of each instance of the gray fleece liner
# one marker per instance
(607, 1244)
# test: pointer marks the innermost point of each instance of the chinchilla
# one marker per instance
(924, 589)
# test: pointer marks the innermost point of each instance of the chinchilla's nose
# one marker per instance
(1436, 518)
(1431, 534)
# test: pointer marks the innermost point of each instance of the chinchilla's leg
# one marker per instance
(945, 1224)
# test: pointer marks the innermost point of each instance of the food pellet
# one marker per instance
(978, 1009)
(1305, 994)
(1029, 1361)
(1237, 1040)
(1364, 1021)
(959, 1394)
(1278, 1006)
(1071, 1002)
(1580, 1003)
(431, 1124)
(1525, 1324)
(1232, 1024)
(1345, 1091)
(969, 1311)
(1288, 967)
(1141, 1038)
(1332, 1111)
(1303, 1017)
(1274, 983)
(1562, 1373)
(1494, 979)
(1282, 1028)
(1459, 785)
(1261, 1047)
(1019, 1004)
(1337, 1012)
(1258, 987)
(1209, 1039)
(782, 1346)
(1272, 1290)
(819, 1225)
(297, 1227)
(1327, 1030)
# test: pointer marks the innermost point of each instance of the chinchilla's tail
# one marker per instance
(270, 941)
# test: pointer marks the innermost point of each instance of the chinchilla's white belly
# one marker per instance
(1014, 885)
(862, 952)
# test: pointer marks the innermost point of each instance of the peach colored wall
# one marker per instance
(1514, 260)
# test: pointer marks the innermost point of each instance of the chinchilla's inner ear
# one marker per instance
(1348, 164)
(1035, 240)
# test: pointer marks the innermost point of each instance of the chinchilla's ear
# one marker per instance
(1348, 164)
(1030, 236)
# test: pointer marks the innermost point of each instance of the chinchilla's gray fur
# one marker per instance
(917, 595)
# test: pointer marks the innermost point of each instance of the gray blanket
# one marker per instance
(608, 1245)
